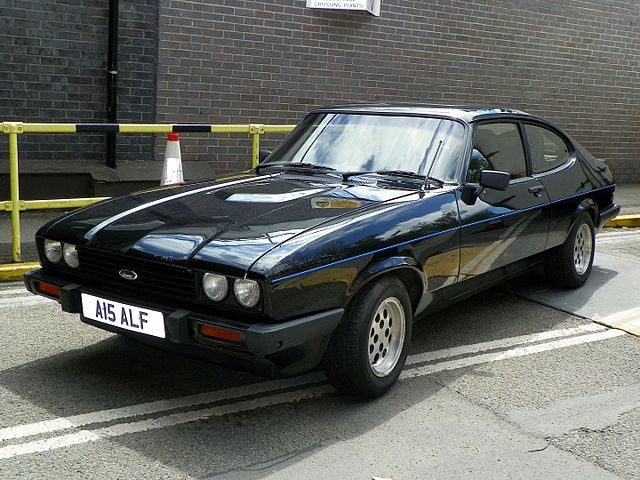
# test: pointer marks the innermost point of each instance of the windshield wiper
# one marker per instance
(355, 173)
(395, 173)
(306, 167)
(392, 173)
(401, 173)
(426, 179)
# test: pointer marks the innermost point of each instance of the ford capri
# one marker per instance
(364, 219)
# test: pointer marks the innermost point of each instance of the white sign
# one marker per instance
(371, 6)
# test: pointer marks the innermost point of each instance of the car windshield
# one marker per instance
(371, 143)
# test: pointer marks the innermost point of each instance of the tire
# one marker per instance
(571, 263)
(368, 350)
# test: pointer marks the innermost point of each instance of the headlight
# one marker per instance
(247, 292)
(70, 255)
(53, 250)
(215, 286)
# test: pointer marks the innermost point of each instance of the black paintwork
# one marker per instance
(313, 240)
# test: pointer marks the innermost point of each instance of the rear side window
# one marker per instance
(497, 146)
(548, 150)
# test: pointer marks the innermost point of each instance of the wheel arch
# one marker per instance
(566, 266)
(406, 269)
(589, 206)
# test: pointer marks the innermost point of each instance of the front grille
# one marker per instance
(154, 278)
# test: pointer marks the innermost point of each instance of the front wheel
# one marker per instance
(368, 350)
(571, 263)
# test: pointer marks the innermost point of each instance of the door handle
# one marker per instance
(537, 190)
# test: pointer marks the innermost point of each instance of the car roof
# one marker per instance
(464, 113)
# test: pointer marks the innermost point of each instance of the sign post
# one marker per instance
(371, 6)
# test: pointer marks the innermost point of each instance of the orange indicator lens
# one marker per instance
(48, 289)
(219, 333)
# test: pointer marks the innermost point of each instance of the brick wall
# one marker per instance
(225, 61)
(137, 65)
(52, 69)
(575, 62)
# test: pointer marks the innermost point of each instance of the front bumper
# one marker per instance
(281, 349)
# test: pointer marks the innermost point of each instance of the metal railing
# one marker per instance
(13, 129)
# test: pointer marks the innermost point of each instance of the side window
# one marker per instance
(497, 146)
(548, 150)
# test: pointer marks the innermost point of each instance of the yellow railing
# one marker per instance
(13, 129)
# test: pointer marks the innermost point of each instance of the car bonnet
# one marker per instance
(222, 227)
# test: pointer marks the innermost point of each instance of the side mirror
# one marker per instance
(262, 156)
(494, 179)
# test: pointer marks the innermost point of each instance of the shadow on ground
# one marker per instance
(118, 372)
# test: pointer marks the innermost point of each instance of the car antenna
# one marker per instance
(423, 188)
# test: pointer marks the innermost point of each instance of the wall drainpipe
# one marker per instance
(112, 81)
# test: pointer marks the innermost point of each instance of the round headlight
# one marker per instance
(247, 292)
(70, 255)
(53, 250)
(215, 286)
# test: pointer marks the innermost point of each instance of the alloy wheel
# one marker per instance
(582, 249)
(386, 336)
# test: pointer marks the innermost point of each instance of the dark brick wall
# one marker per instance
(137, 65)
(576, 62)
(52, 69)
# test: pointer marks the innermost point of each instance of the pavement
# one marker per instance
(627, 196)
(615, 268)
(518, 382)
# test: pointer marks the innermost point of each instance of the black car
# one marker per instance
(365, 218)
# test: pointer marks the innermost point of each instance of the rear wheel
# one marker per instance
(368, 350)
(571, 263)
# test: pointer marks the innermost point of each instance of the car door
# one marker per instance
(501, 227)
(553, 162)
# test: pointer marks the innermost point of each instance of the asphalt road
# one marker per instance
(510, 384)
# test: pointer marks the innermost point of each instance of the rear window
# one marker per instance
(548, 150)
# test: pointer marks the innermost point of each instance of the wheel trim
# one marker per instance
(386, 336)
(582, 249)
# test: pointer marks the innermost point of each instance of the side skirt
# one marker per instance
(447, 296)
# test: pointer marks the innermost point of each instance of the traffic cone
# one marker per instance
(172, 168)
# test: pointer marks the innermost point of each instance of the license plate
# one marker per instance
(121, 315)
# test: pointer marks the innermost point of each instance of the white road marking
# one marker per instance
(49, 426)
(86, 436)
(23, 301)
(14, 291)
(617, 237)
(179, 418)
(503, 343)
(513, 353)
(159, 406)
